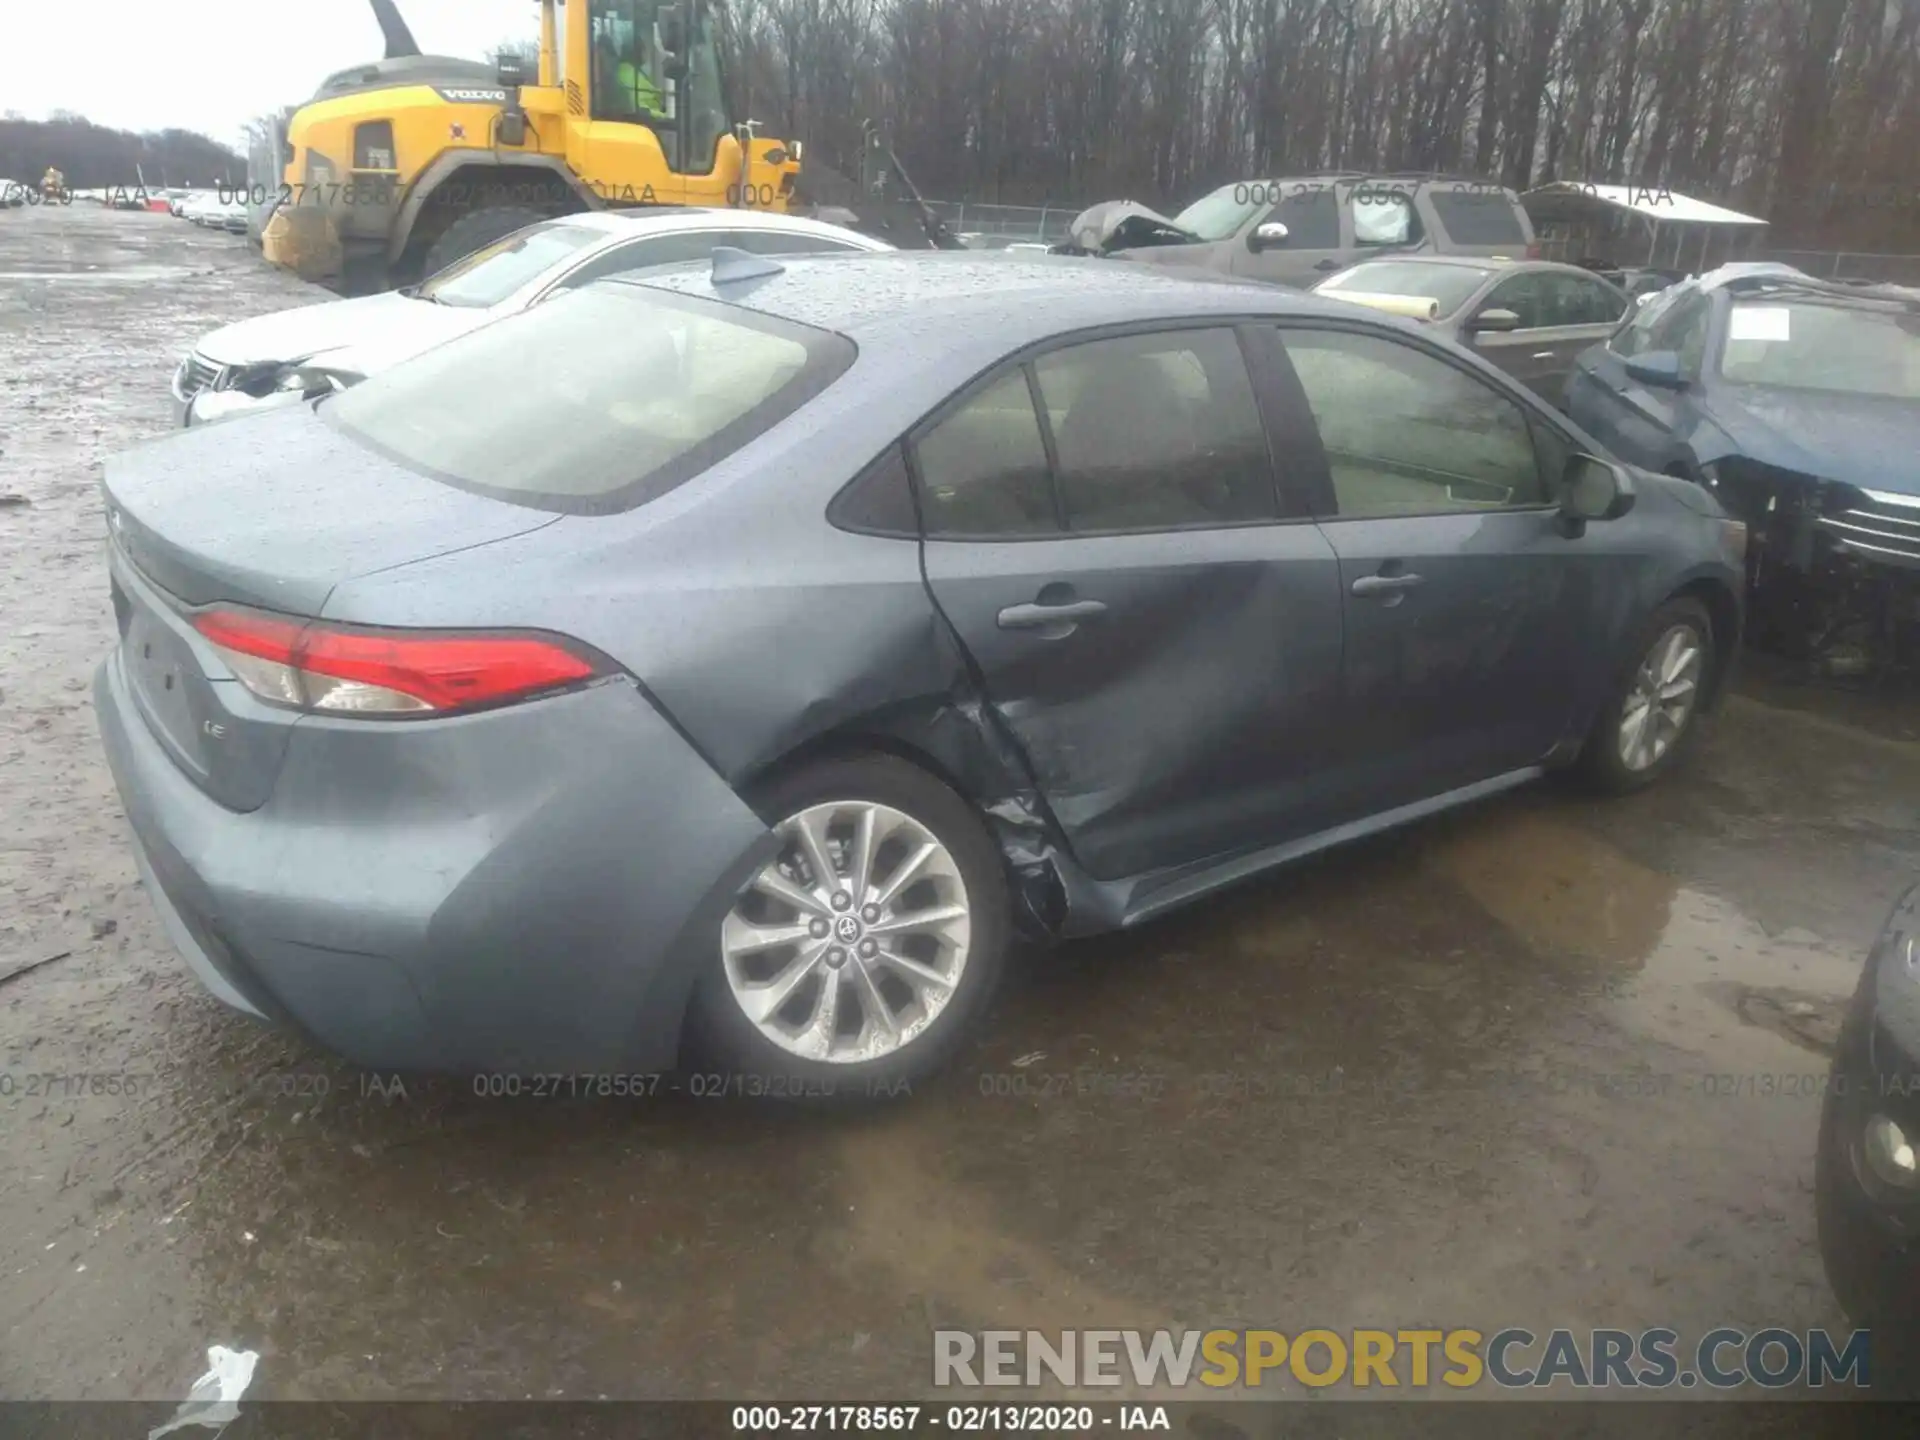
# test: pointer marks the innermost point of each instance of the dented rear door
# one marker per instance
(1172, 687)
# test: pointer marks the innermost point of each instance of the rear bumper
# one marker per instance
(531, 889)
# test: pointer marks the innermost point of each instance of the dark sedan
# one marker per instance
(1529, 317)
(1867, 1171)
(754, 664)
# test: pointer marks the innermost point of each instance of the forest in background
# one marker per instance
(93, 157)
(1804, 111)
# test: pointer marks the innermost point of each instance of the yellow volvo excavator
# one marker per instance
(398, 168)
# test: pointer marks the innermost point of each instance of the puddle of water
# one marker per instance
(1690, 969)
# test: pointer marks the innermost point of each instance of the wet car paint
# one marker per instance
(1391, 1085)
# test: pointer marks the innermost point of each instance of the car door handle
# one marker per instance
(1328, 265)
(1035, 617)
(1386, 584)
(1543, 354)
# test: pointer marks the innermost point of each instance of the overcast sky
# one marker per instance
(212, 65)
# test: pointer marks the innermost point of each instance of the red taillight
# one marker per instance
(1533, 249)
(348, 670)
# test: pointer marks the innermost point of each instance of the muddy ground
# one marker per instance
(1295, 1106)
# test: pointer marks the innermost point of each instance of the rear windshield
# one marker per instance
(597, 401)
(1449, 285)
(1478, 216)
(493, 272)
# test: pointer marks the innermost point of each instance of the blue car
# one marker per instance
(1797, 402)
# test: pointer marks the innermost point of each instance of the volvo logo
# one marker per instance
(846, 929)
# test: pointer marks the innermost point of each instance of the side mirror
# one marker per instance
(1657, 367)
(1267, 236)
(1592, 489)
(1492, 322)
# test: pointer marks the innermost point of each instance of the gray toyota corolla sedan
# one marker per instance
(741, 654)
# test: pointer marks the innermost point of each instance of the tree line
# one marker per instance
(1806, 112)
(94, 157)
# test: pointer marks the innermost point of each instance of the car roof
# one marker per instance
(1460, 262)
(956, 312)
(666, 220)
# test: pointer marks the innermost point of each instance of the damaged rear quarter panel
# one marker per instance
(765, 634)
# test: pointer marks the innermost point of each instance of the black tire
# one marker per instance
(1601, 764)
(732, 1050)
(475, 229)
(1874, 1276)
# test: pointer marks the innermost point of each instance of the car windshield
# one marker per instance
(1816, 345)
(1218, 215)
(1449, 286)
(493, 272)
(636, 391)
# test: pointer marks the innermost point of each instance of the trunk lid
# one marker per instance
(276, 509)
(274, 512)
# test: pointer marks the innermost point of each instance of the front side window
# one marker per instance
(1575, 300)
(1156, 432)
(1809, 345)
(629, 76)
(1312, 219)
(1520, 294)
(493, 272)
(1637, 336)
(1683, 330)
(636, 391)
(1407, 434)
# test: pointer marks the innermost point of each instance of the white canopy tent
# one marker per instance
(1574, 203)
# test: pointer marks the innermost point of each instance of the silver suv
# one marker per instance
(1298, 231)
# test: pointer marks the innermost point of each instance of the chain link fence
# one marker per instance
(1851, 265)
(1009, 222)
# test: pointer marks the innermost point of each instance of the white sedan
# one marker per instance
(311, 350)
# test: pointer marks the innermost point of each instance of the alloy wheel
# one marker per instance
(1661, 701)
(853, 939)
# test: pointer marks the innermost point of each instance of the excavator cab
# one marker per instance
(397, 168)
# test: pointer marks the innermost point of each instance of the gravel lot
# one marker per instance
(1321, 1126)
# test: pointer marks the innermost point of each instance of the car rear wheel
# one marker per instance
(1650, 717)
(862, 954)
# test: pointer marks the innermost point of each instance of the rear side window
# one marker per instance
(1156, 432)
(1141, 433)
(983, 469)
(598, 401)
(1383, 215)
(1478, 217)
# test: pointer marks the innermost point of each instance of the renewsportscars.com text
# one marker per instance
(1721, 1359)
